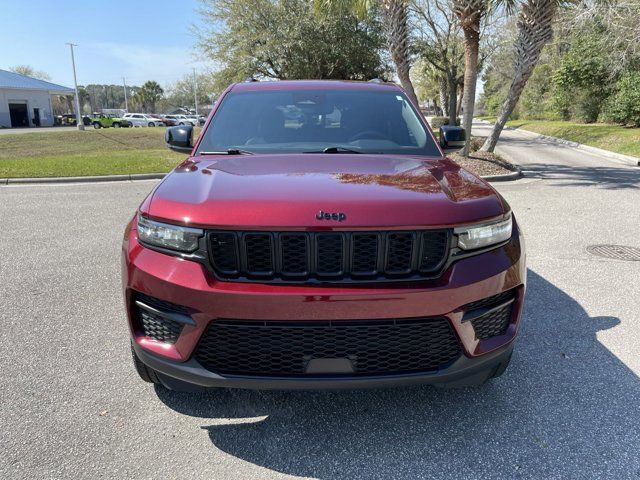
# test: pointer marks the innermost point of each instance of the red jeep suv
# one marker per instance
(317, 237)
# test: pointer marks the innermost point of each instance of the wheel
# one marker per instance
(151, 124)
(116, 125)
(96, 125)
(502, 367)
(147, 374)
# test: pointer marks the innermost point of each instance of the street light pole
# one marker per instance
(195, 90)
(126, 103)
(75, 84)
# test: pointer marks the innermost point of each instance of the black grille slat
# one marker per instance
(434, 246)
(364, 256)
(224, 252)
(294, 252)
(285, 348)
(399, 252)
(258, 251)
(328, 256)
(330, 253)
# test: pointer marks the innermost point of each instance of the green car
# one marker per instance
(101, 120)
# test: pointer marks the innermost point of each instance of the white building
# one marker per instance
(26, 101)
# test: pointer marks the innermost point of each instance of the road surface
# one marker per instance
(71, 405)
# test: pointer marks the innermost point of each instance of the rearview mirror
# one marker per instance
(180, 139)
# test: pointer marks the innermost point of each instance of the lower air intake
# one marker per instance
(286, 348)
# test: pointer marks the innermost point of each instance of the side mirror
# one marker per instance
(451, 137)
(180, 138)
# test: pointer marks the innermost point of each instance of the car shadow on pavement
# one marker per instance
(566, 407)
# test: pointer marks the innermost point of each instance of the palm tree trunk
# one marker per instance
(470, 13)
(453, 95)
(472, 45)
(444, 96)
(395, 21)
(460, 97)
(534, 32)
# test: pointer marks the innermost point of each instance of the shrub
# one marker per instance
(476, 142)
(437, 122)
(624, 106)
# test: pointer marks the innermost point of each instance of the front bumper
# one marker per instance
(464, 372)
(189, 284)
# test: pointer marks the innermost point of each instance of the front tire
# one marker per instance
(116, 125)
(96, 125)
(147, 374)
(500, 369)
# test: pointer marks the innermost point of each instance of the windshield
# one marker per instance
(315, 120)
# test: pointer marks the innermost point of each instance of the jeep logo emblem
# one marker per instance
(339, 216)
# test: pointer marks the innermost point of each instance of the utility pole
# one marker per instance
(126, 103)
(75, 84)
(195, 90)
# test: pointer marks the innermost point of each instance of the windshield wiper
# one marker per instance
(335, 150)
(228, 151)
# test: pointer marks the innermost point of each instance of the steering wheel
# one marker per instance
(371, 134)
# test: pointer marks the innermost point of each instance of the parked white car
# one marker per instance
(183, 120)
(197, 119)
(143, 120)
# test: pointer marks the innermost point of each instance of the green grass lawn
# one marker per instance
(601, 135)
(89, 152)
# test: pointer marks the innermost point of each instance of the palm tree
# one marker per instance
(470, 14)
(394, 15)
(534, 32)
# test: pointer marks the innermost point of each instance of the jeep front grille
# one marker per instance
(328, 256)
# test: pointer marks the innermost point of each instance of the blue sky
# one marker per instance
(138, 39)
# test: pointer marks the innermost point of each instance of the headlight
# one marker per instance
(173, 237)
(478, 236)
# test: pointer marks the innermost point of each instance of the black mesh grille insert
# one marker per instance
(433, 249)
(399, 250)
(328, 256)
(493, 323)
(365, 253)
(224, 251)
(156, 326)
(488, 320)
(159, 328)
(259, 253)
(330, 248)
(285, 348)
(294, 253)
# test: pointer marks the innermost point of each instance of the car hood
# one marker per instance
(288, 191)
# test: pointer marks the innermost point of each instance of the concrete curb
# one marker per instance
(507, 177)
(106, 178)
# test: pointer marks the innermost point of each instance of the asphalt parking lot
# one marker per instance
(71, 405)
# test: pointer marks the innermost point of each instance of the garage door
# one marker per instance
(19, 114)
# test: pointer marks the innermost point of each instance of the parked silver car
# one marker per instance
(142, 120)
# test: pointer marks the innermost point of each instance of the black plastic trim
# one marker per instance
(173, 316)
(481, 312)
